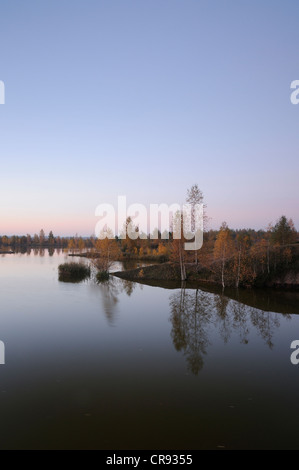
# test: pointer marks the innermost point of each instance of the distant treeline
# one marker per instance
(16, 242)
(242, 257)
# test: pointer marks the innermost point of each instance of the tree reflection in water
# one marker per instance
(191, 316)
(108, 292)
(126, 286)
(194, 313)
(265, 324)
(109, 296)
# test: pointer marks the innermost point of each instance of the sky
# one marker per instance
(143, 99)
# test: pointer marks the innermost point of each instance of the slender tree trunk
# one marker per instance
(223, 267)
(239, 268)
(222, 272)
(182, 265)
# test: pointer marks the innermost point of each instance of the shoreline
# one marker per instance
(265, 298)
(170, 272)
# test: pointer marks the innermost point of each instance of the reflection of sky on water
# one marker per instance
(122, 352)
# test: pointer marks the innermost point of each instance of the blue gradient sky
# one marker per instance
(143, 99)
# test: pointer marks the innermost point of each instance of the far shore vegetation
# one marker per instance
(237, 258)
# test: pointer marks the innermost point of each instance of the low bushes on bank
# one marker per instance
(73, 272)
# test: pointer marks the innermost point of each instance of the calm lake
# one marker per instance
(129, 366)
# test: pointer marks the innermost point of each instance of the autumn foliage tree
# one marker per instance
(223, 252)
(129, 237)
(107, 249)
(242, 266)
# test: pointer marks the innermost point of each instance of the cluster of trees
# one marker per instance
(246, 257)
(37, 241)
(231, 257)
(154, 246)
(41, 240)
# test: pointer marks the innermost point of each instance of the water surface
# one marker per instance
(130, 366)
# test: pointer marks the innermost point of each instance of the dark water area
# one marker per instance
(124, 365)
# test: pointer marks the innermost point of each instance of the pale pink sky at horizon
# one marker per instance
(84, 225)
(146, 99)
